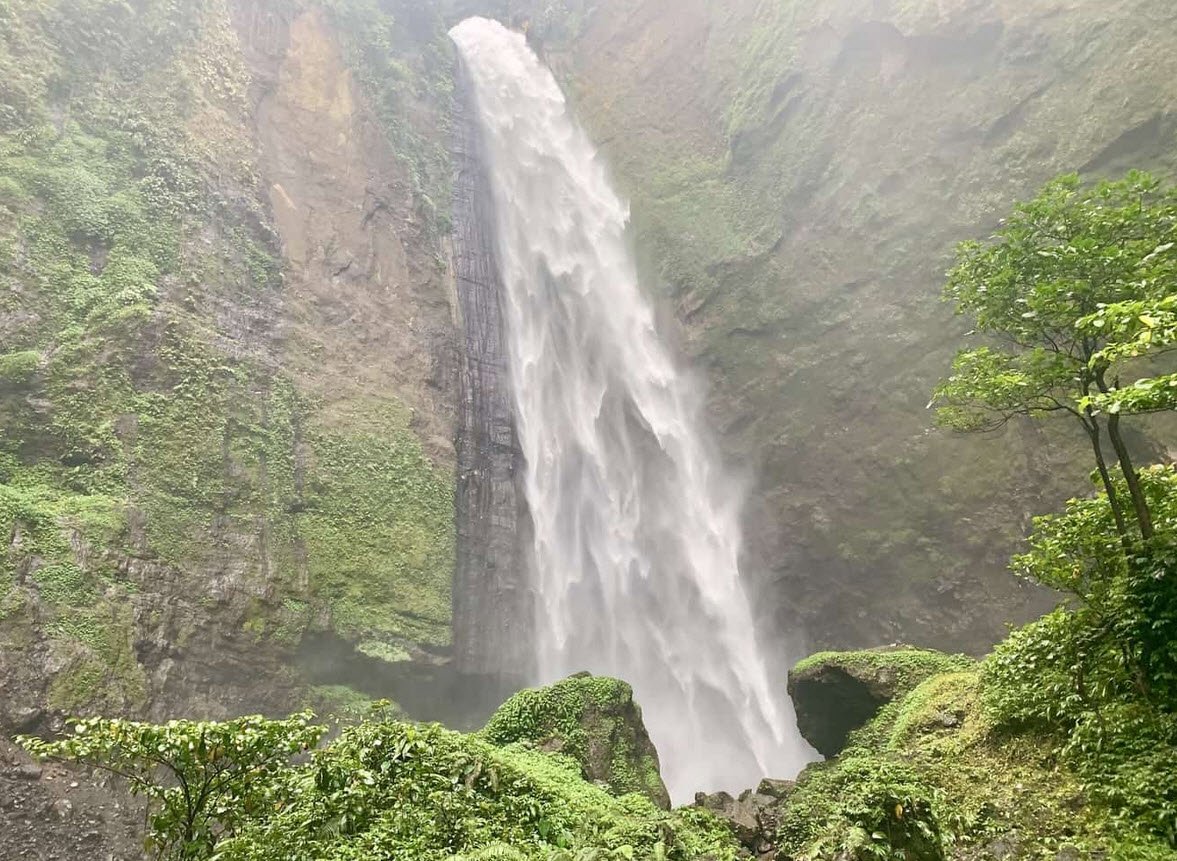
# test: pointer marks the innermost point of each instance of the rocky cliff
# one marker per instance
(493, 603)
(241, 325)
(799, 175)
(228, 364)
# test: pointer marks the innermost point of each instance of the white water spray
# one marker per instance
(637, 535)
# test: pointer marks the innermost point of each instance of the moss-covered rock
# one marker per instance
(595, 721)
(933, 776)
(837, 692)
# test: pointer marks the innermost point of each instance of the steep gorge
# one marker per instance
(242, 328)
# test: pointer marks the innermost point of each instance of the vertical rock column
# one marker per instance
(493, 604)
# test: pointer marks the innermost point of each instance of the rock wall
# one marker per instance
(493, 603)
(799, 174)
(228, 367)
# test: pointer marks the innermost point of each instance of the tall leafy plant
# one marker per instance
(1076, 294)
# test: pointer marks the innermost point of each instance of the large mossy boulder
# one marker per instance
(595, 721)
(836, 693)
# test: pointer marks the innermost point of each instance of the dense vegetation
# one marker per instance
(1065, 738)
(147, 437)
(1081, 287)
(247, 790)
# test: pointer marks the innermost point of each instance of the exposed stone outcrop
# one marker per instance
(493, 605)
(753, 817)
(592, 719)
(837, 693)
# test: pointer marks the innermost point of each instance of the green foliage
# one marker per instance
(1126, 617)
(1079, 287)
(1075, 284)
(1101, 677)
(203, 780)
(383, 789)
(399, 791)
(936, 775)
(879, 799)
(885, 812)
(1064, 677)
(1145, 329)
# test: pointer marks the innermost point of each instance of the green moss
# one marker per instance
(556, 711)
(378, 528)
(101, 672)
(383, 651)
(932, 775)
(908, 667)
(591, 719)
(18, 368)
(341, 702)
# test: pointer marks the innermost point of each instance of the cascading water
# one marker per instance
(636, 531)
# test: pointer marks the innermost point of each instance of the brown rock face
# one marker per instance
(367, 309)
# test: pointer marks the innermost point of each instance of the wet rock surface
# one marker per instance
(492, 601)
(835, 693)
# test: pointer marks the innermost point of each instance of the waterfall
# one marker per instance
(636, 536)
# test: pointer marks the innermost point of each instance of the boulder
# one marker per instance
(836, 693)
(778, 789)
(592, 719)
(752, 817)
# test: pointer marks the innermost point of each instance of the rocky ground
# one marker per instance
(51, 813)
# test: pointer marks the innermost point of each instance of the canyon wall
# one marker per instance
(228, 363)
(253, 422)
(799, 175)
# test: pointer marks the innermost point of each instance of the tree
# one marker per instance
(1078, 290)
(202, 779)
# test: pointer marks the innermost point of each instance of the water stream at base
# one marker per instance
(636, 527)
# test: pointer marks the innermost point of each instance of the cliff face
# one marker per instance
(799, 175)
(234, 355)
(227, 360)
(493, 605)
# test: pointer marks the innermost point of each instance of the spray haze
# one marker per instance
(636, 528)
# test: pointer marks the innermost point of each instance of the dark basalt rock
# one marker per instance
(492, 601)
(753, 817)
